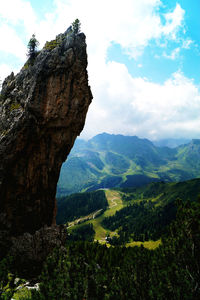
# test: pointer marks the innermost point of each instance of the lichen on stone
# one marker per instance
(51, 45)
(54, 43)
(15, 106)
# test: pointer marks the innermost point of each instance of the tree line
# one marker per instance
(93, 271)
(78, 205)
(140, 222)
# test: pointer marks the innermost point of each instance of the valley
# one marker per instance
(110, 161)
(135, 216)
(164, 269)
(114, 204)
(100, 150)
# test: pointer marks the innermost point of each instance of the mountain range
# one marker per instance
(109, 160)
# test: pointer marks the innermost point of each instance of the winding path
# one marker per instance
(85, 218)
(113, 202)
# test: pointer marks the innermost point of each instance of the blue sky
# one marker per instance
(155, 58)
(143, 59)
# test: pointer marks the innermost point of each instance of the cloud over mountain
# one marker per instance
(125, 100)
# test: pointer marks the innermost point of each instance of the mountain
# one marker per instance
(42, 111)
(127, 214)
(171, 143)
(148, 210)
(93, 271)
(109, 160)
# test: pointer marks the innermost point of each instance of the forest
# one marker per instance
(77, 205)
(92, 271)
(83, 233)
(139, 214)
(140, 222)
(100, 150)
(108, 161)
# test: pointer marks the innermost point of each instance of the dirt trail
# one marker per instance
(86, 218)
(113, 202)
(112, 198)
(96, 213)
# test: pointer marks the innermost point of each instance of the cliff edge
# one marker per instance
(42, 111)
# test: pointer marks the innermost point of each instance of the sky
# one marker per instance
(143, 59)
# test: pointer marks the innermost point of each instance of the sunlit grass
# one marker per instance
(114, 203)
(23, 293)
(151, 245)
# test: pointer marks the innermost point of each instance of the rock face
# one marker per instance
(42, 111)
(30, 250)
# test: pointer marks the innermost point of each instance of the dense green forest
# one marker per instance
(150, 209)
(93, 271)
(77, 205)
(143, 215)
(108, 161)
(139, 222)
(83, 233)
(89, 270)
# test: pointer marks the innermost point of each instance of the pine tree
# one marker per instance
(76, 26)
(32, 47)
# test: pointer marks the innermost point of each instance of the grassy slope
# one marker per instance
(112, 161)
(163, 193)
(151, 245)
(158, 193)
(115, 204)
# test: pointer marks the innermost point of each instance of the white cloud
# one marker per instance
(14, 12)
(187, 44)
(138, 106)
(173, 55)
(131, 23)
(5, 70)
(121, 103)
(173, 21)
(17, 23)
(12, 44)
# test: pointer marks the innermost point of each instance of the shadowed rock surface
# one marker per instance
(30, 250)
(42, 111)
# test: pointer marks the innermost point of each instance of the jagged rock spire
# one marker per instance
(42, 111)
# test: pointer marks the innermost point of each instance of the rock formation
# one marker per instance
(42, 111)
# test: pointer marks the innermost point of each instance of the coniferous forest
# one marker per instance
(100, 150)
(77, 205)
(92, 271)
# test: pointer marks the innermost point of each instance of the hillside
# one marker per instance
(130, 214)
(93, 271)
(108, 161)
(79, 205)
(171, 143)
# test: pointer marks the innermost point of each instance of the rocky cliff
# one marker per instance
(42, 111)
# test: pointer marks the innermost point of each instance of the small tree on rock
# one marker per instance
(76, 26)
(32, 47)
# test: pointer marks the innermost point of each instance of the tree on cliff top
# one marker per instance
(76, 26)
(32, 47)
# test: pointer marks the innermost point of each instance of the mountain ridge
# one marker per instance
(131, 214)
(109, 160)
